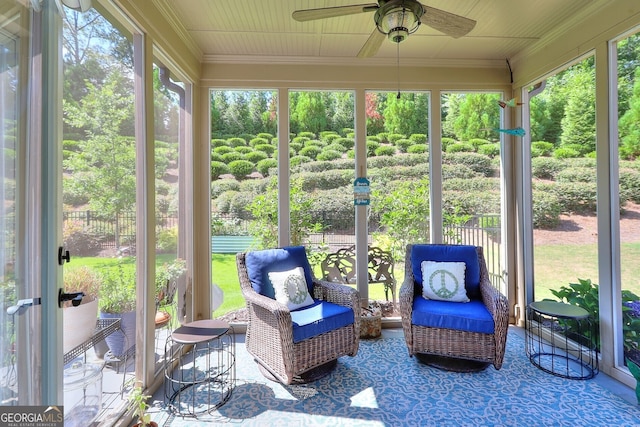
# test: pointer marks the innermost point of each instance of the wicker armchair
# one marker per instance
(487, 301)
(273, 331)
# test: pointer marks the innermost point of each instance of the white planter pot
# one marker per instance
(78, 324)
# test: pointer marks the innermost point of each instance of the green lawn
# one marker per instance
(559, 265)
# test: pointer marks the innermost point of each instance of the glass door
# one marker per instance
(30, 345)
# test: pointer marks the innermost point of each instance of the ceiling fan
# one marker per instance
(395, 19)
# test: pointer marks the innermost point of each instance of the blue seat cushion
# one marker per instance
(448, 253)
(260, 263)
(470, 316)
(318, 318)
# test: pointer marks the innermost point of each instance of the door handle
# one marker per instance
(74, 297)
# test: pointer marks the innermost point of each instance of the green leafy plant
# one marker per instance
(82, 279)
(585, 294)
(166, 274)
(118, 290)
(138, 402)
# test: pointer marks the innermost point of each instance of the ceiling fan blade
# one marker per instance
(372, 45)
(331, 12)
(448, 23)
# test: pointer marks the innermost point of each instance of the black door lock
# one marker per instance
(74, 297)
(63, 255)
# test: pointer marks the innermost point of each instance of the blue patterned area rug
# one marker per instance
(382, 386)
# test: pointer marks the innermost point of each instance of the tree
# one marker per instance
(264, 209)
(579, 121)
(404, 213)
(311, 112)
(629, 125)
(104, 167)
(478, 115)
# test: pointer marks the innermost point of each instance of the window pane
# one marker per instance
(99, 182)
(11, 87)
(244, 209)
(564, 188)
(170, 266)
(471, 196)
(629, 175)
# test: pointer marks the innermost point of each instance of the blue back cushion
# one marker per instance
(260, 263)
(442, 253)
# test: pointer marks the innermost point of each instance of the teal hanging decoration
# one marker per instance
(515, 131)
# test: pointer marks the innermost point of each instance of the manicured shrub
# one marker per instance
(246, 137)
(404, 144)
(478, 142)
(565, 153)
(329, 136)
(385, 150)
(232, 157)
(546, 209)
(315, 143)
(310, 151)
(298, 160)
(447, 142)
(393, 137)
(255, 156)
(309, 135)
(268, 149)
(70, 145)
(372, 146)
(375, 138)
(475, 185)
(457, 171)
(264, 165)
(217, 169)
(465, 203)
(477, 162)
(630, 185)
(328, 155)
(223, 149)
(215, 157)
(576, 197)
(258, 141)
(582, 149)
(241, 168)
(347, 143)
(265, 135)
(384, 137)
(546, 167)
(322, 166)
(576, 174)
(221, 185)
(336, 147)
(300, 140)
(327, 180)
(541, 148)
(80, 239)
(460, 147)
(236, 142)
(243, 149)
(418, 148)
(418, 138)
(490, 150)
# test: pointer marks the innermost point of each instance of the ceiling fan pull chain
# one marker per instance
(398, 63)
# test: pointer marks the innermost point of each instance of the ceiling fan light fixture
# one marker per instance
(398, 18)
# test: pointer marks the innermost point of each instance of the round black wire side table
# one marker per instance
(561, 339)
(200, 367)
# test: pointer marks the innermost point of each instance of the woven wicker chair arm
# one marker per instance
(275, 308)
(335, 293)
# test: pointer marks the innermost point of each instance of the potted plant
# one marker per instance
(138, 401)
(117, 299)
(167, 276)
(79, 322)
